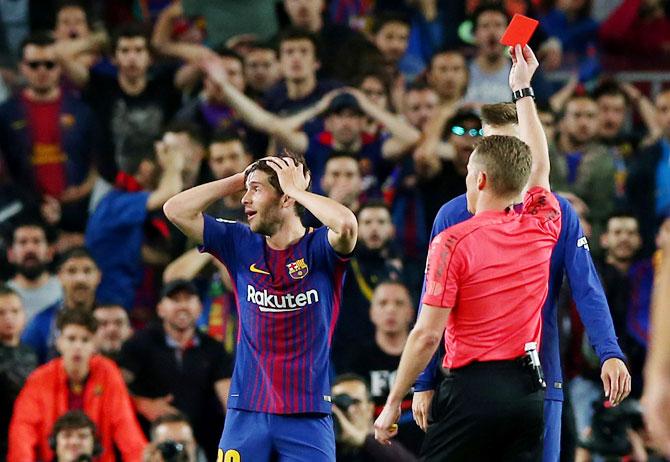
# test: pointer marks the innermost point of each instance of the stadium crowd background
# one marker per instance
(110, 108)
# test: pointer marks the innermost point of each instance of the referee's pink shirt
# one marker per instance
(493, 271)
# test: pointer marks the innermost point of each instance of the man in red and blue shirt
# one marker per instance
(288, 282)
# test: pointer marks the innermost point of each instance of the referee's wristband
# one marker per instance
(522, 93)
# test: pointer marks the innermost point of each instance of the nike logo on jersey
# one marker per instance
(253, 269)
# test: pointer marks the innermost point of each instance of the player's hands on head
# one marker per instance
(524, 65)
(386, 426)
(616, 380)
(421, 407)
(291, 175)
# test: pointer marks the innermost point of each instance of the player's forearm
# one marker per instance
(658, 362)
(419, 349)
(532, 133)
(332, 214)
(188, 205)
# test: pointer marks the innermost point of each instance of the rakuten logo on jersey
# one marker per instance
(274, 303)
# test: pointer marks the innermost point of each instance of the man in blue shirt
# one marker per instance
(570, 256)
(116, 230)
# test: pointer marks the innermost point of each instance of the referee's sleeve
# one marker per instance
(443, 273)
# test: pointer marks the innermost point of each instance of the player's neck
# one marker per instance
(391, 343)
(290, 232)
(489, 202)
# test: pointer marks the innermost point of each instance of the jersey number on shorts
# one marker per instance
(231, 455)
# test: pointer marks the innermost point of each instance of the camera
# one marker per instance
(342, 401)
(171, 451)
(609, 435)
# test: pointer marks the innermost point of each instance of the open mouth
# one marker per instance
(250, 214)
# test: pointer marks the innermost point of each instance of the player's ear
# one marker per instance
(481, 180)
(287, 202)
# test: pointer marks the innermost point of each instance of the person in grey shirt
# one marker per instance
(489, 70)
(30, 252)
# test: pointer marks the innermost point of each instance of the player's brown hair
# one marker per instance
(263, 166)
(499, 114)
(507, 162)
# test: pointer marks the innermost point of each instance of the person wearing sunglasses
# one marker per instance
(47, 136)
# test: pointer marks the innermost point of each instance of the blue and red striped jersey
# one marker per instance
(288, 301)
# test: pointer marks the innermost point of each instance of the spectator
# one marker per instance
(613, 104)
(176, 431)
(614, 100)
(448, 76)
(344, 124)
(31, 254)
(621, 242)
(47, 137)
(79, 276)
(443, 176)
(133, 105)
(78, 380)
(74, 438)
(339, 43)
(638, 28)
(419, 105)
(116, 230)
(648, 185)
(342, 180)
(17, 360)
(192, 142)
(570, 21)
(354, 411)
(391, 36)
(374, 260)
(77, 47)
(299, 63)
(489, 70)
(209, 109)
(113, 329)
(392, 314)
(164, 366)
(581, 165)
(228, 155)
(261, 69)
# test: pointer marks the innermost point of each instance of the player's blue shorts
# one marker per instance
(551, 451)
(257, 436)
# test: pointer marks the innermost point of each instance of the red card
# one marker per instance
(519, 31)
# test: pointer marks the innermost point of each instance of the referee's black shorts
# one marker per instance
(487, 411)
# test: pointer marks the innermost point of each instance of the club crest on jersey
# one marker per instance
(298, 269)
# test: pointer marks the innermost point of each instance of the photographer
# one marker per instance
(354, 433)
(74, 438)
(172, 440)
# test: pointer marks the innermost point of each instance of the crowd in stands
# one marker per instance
(117, 336)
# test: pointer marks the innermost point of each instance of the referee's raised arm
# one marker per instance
(524, 65)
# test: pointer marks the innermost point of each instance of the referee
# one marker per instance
(487, 281)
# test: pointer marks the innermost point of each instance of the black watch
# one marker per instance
(528, 91)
